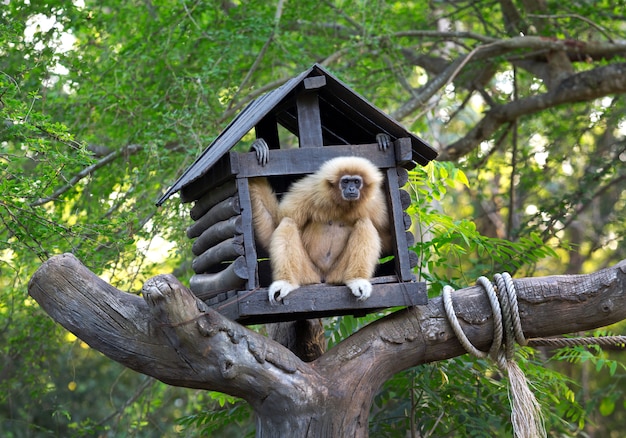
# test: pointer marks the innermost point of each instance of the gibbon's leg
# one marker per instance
(357, 262)
(264, 210)
(291, 265)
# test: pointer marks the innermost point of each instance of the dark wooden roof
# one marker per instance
(346, 118)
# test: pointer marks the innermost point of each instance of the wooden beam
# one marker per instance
(216, 233)
(314, 82)
(404, 152)
(207, 201)
(319, 300)
(309, 120)
(248, 233)
(225, 251)
(221, 211)
(403, 266)
(303, 161)
(206, 286)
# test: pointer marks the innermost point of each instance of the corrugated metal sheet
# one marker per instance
(346, 117)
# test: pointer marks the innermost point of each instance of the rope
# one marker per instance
(507, 329)
(525, 410)
(603, 341)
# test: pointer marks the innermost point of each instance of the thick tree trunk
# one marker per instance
(175, 338)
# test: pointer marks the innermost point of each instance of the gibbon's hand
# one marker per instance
(262, 150)
(383, 141)
(280, 287)
(360, 287)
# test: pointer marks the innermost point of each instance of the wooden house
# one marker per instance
(320, 118)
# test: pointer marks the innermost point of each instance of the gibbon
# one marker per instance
(326, 229)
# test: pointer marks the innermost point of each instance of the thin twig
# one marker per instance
(145, 385)
(130, 149)
(599, 28)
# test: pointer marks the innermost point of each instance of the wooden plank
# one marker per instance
(224, 169)
(410, 238)
(227, 304)
(211, 198)
(403, 268)
(222, 211)
(406, 218)
(309, 120)
(206, 286)
(321, 300)
(304, 161)
(225, 251)
(248, 233)
(216, 233)
(267, 129)
(403, 176)
(314, 82)
(405, 199)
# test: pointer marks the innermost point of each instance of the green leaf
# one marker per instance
(607, 406)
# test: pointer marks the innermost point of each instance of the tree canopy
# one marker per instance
(104, 105)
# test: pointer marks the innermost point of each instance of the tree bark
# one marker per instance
(176, 338)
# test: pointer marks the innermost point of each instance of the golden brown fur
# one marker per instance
(314, 235)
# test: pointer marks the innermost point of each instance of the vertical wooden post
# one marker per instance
(267, 129)
(309, 119)
(403, 265)
(248, 233)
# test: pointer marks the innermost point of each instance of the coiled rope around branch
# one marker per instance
(507, 329)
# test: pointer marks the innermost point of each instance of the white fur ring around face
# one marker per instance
(281, 287)
(360, 287)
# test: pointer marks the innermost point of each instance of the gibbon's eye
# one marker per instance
(351, 187)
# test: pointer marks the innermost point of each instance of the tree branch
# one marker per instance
(172, 336)
(580, 87)
(177, 339)
(547, 306)
(128, 150)
(576, 50)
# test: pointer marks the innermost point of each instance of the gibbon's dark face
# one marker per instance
(350, 186)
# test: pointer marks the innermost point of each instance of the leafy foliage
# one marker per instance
(103, 105)
(230, 417)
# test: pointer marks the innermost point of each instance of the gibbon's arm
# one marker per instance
(302, 201)
(264, 202)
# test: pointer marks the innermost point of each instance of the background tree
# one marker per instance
(104, 105)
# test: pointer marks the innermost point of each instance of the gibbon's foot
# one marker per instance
(383, 141)
(262, 150)
(280, 287)
(360, 287)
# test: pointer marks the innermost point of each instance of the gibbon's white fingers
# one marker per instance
(262, 151)
(383, 141)
(360, 287)
(279, 290)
